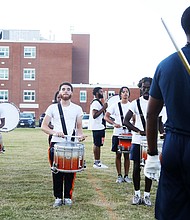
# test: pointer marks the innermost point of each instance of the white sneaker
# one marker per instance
(127, 179)
(136, 200)
(58, 202)
(147, 201)
(68, 202)
(103, 166)
(99, 166)
(119, 179)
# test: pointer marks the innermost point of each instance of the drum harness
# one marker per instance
(141, 114)
(54, 168)
(103, 120)
(121, 114)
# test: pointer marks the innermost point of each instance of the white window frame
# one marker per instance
(111, 93)
(4, 51)
(4, 73)
(29, 74)
(4, 95)
(29, 96)
(83, 93)
(29, 52)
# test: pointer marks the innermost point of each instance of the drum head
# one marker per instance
(113, 99)
(11, 113)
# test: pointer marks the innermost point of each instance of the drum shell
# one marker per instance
(144, 147)
(124, 143)
(69, 157)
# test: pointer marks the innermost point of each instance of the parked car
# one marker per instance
(26, 120)
(41, 119)
(85, 121)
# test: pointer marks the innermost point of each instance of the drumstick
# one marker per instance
(71, 136)
(179, 51)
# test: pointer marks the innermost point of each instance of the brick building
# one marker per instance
(31, 71)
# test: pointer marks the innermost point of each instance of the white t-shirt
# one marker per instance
(136, 138)
(114, 111)
(95, 124)
(71, 113)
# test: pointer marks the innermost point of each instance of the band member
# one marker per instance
(118, 110)
(72, 115)
(171, 86)
(138, 108)
(2, 123)
(97, 125)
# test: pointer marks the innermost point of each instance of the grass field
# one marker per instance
(26, 183)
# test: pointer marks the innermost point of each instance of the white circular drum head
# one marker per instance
(113, 99)
(12, 115)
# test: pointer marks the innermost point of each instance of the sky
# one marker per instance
(127, 37)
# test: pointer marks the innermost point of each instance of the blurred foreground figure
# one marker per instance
(171, 86)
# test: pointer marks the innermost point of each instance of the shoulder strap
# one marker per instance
(103, 120)
(62, 118)
(141, 114)
(121, 112)
(98, 101)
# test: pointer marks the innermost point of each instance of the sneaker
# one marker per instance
(99, 165)
(58, 202)
(146, 201)
(119, 179)
(136, 200)
(68, 201)
(127, 179)
(103, 166)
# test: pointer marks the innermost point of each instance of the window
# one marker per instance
(4, 52)
(3, 95)
(29, 52)
(4, 73)
(83, 96)
(29, 96)
(29, 74)
(111, 93)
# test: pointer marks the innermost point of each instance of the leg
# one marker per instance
(148, 184)
(126, 168)
(136, 175)
(69, 185)
(96, 151)
(126, 163)
(58, 184)
(1, 143)
(118, 163)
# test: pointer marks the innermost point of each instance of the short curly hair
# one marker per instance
(143, 80)
(95, 90)
(185, 21)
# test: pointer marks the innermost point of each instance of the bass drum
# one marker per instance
(11, 114)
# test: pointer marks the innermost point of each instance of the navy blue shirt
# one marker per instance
(171, 83)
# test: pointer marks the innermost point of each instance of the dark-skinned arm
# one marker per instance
(129, 125)
(153, 110)
(96, 113)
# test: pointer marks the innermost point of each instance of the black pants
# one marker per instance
(61, 178)
(68, 179)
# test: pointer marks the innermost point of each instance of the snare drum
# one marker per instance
(68, 157)
(124, 143)
(144, 147)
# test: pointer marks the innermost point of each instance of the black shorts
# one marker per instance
(98, 137)
(115, 143)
